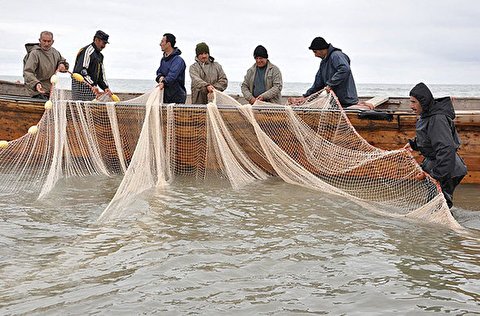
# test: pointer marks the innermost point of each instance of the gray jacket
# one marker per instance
(273, 83)
(202, 75)
(436, 136)
(39, 67)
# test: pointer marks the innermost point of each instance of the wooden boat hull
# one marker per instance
(17, 114)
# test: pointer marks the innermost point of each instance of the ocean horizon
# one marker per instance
(298, 88)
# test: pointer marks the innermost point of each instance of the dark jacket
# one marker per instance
(172, 68)
(89, 64)
(335, 72)
(436, 136)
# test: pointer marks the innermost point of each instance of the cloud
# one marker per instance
(395, 41)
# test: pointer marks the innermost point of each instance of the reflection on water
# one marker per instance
(197, 248)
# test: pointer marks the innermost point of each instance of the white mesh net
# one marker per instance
(313, 146)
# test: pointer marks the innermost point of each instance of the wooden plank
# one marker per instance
(472, 177)
(376, 101)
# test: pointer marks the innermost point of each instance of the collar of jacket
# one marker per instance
(95, 48)
(210, 60)
(268, 66)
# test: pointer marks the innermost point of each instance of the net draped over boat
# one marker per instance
(150, 143)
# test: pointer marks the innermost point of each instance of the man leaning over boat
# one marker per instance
(40, 63)
(89, 64)
(334, 74)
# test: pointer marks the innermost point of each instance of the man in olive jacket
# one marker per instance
(263, 80)
(206, 75)
(41, 63)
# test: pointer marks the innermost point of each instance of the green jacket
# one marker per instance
(39, 66)
(209, 73)
(273, 83)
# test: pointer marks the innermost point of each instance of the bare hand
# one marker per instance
(210, 88)
(39, 88)
(108, 91)
(96, 91)
(62, 68)
(210, 97)
(161, 85)
(296, 101)
(422, 175)
(328, 88)
(260, 98)
(408, 147)
(252, 100)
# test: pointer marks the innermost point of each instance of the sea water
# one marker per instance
(298, 88)
(203, 248)
(198, 248)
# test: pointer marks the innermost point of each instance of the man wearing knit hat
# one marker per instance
(263, 81)
(334, 73)
(206, 75)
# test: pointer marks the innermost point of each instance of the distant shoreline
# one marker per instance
(298, 88)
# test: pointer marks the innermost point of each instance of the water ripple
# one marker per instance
(193, 248)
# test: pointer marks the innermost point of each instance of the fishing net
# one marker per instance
(150, 143)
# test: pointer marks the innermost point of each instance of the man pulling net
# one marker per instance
(89, 64)
(316, 149)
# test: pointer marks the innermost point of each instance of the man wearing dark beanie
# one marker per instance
(263, 81)
(334, 73)
(260, 51)
(206, 75)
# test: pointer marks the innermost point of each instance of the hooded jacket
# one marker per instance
(335, 72)
(436, 136)
(204, 74)
(89, 64)
(273, 83)
(172, 69)
(39, 66)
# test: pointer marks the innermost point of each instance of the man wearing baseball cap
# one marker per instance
(334, 73)
(89, 64)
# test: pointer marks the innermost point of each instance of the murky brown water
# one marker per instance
(196, 248)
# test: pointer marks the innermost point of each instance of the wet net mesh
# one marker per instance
(150, 143)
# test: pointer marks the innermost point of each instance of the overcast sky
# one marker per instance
(388, 41)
